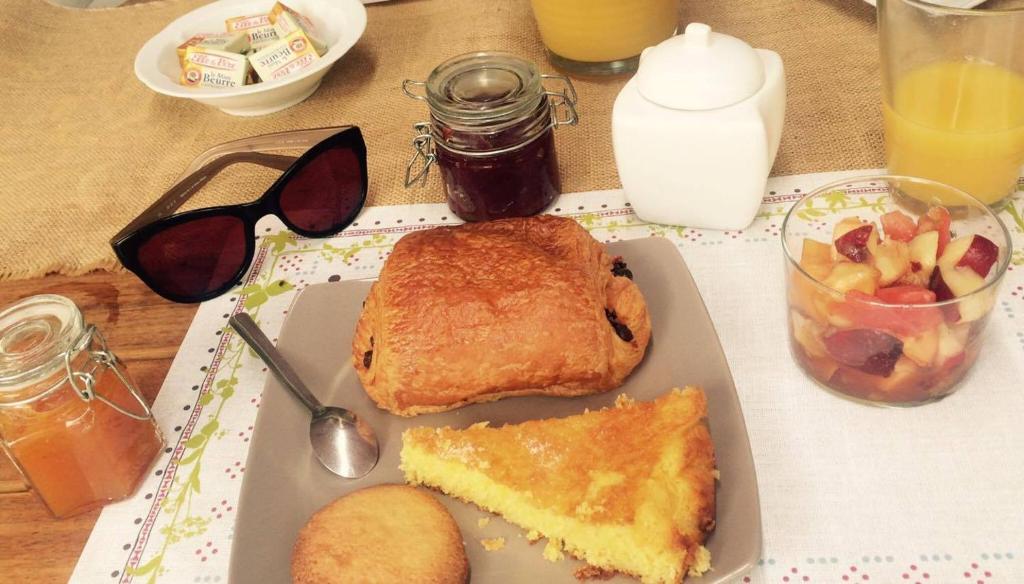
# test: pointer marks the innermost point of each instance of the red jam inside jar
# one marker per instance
(492, 135)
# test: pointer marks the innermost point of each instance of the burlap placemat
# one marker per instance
(85, 146)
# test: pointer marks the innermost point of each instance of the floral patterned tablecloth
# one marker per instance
(849, 493)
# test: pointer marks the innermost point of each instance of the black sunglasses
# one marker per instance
(197, 255)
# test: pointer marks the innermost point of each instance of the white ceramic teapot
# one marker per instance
(696, 130)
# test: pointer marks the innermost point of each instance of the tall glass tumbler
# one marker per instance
(953, 94)
(603, 37)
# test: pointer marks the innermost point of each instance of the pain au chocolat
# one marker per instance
(482, 311)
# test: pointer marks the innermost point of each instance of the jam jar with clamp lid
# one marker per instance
(71, 419)
(491, 134)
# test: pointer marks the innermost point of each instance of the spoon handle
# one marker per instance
(275, 361)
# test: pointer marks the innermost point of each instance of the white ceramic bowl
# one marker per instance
(339, 23)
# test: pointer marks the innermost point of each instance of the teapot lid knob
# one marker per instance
(699, 70)
(697, 34)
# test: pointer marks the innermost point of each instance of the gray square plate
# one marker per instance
(284, 484)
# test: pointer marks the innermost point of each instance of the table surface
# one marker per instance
(145, 331)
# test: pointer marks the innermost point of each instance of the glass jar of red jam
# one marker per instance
(71, 419)
(491, 134)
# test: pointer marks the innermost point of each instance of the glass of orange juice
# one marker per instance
(953, 94)
(603, 37)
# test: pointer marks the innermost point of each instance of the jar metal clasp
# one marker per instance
(562, 100)
(562, 112)
(99, 356)
(424, 156)
(407, 86)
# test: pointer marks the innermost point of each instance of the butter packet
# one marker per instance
(258, 28)
(221, 41)
(287, 21)
(212, 68)
(286, 24)
(287, 56)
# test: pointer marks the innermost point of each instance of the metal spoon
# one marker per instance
(343, 443)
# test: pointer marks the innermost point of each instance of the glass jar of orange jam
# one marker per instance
(71, 419)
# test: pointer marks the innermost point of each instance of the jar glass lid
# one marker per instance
(35, 333)
(483, 89)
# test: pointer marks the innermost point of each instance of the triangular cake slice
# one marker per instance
(629, 488)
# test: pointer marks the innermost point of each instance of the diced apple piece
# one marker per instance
(846, 225)
(942, 293)
(840, 319)
(952, 342)
(873, 240)
(808, 333)
(846, 276)
(816, 258)
(809, 297)
(954, 252)
(905, 374)
(924, 249)
(892, 259)
(975, 306)
(936, 219)
(912, 278)
(815, 252)
(960, 281)
(950, 280)
(921, 349)
(980, 255)
(854, 243)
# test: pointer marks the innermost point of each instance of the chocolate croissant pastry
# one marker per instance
(482, 311)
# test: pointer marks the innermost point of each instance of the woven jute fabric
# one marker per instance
(85, 146)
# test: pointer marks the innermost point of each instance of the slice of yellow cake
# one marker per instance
(629, 488)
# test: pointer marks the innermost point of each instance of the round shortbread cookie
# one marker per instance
(381, 534)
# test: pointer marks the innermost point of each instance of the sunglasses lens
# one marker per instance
(323, 195)
(194, 258)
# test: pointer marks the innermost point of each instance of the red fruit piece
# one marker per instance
(980, 255)
(908, 294)
(936, 219)
(868, 350)
(854, 243)
(942, 293)
(938, 285)
(864, 311)
(899, 226)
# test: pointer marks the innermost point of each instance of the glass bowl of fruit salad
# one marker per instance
(890, 282)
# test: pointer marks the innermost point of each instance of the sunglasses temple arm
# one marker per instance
(186, 187)
(293, 139)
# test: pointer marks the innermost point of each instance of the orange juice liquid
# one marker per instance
(959, 123)
(604, 30)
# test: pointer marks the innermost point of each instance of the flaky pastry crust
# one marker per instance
(483, 311)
